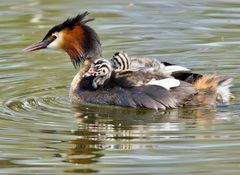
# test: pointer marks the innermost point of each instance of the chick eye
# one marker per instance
(99, 62)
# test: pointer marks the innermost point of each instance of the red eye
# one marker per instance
(54, 37)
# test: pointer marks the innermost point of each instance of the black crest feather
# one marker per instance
(69, 23)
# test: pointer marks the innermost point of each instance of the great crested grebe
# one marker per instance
(154, 84)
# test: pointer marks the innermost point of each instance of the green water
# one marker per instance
(41, 134)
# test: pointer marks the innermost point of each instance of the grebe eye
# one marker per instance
(54, 37)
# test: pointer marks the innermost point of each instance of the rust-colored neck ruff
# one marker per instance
(81, 42)
(74, 42)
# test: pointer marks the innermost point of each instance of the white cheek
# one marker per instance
(56, 44)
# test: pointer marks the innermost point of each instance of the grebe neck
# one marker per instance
(78, 77)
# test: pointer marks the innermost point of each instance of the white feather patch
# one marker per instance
(223, 91)
(173, 68)
(56, 43)
(166, 83)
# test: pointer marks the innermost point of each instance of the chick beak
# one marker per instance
(90, 72)
(37, 46)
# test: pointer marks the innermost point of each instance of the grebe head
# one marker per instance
(121, 61)
(74, 37)
(101, 69)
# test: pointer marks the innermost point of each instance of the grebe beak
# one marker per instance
(37, 46)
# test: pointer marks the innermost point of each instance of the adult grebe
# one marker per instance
(142, 88)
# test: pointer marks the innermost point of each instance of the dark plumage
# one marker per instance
(187, 76)
(123, 90)
(151, 96)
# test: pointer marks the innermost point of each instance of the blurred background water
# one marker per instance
(41, 134)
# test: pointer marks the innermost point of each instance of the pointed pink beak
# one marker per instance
(90, 72)
(37, 46)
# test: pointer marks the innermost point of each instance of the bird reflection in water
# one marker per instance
(103, 128)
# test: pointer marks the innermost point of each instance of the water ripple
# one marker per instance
(42, 134)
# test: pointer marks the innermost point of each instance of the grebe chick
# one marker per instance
(101, 69)
(121, 61)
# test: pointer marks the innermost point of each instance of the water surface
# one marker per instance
(42, 134)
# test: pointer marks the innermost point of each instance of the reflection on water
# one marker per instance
(101, 131)
(97, 139)
(42, 134)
